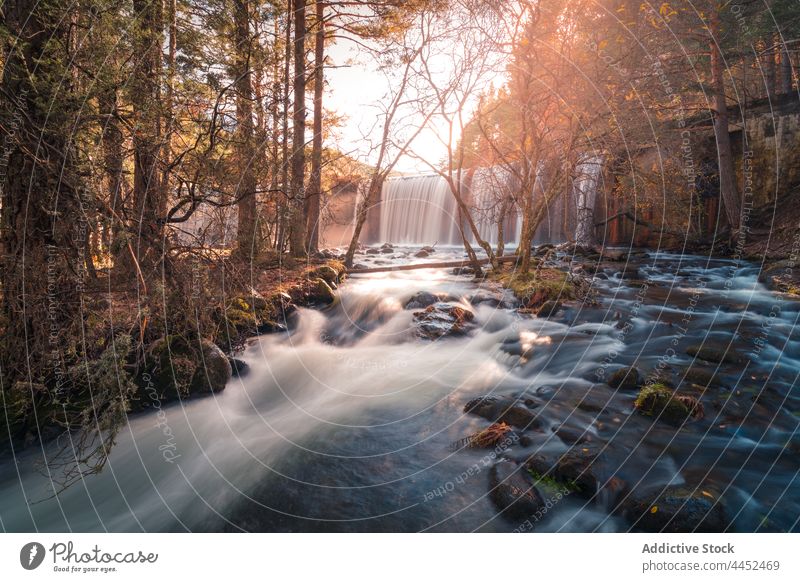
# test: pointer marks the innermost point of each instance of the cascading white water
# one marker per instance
(418, 210)
(422, 209)
(489, 188)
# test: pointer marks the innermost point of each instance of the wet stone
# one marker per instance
(513, 492)
(675, 509)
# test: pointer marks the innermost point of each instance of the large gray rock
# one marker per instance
(443, 319)
(213, 372)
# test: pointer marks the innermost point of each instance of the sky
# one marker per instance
(353, 87)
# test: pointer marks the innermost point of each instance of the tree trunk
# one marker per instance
(297, 166)
(145, 85)
(786, 69)
(315, 185)
(40, 206)
(769, 67)
(362, 211)
(112, 142)
(585, 186)
(285, 204)
(505, 205)
(246, 191)
(727, 179)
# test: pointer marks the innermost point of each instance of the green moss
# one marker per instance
(332, 272)
(660, 402)
(552, 485)
(535, 288)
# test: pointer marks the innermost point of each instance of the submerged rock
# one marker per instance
(423, 299)
(443, 319)
(716, 353)
(624, 379)
(467, 271)
(513, 492)
(549, 308)
(675, 509)
(507, 410)
(702, 377)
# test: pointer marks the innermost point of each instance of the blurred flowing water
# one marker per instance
(346, 423)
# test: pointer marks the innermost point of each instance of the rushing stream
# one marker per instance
(348, 421)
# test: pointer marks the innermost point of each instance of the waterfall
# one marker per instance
(418, 210)
(422, 210)
(488, 188)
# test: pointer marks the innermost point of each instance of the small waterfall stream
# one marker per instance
(418, 210)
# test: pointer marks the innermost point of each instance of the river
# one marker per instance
(348, 421)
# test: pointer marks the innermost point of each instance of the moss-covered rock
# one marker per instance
(535, 288)
(665, 404)
(576, 470)
(327, 273)
(319, 292)
(175, 368)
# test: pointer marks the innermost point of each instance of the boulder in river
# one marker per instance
(320, 292)
(443, 319)
(624, 379)
(513, 492)
(239, 368)
(176, 368)
(577, 470)
(663, 403)
(373, 251)
(422, 254)
(781, 276)
(508, 410)
(675, 509)
(213, 372)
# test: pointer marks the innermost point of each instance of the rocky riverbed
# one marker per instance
(657, 392)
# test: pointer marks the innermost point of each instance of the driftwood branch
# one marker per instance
(440, 265)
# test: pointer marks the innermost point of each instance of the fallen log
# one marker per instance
(439, 265)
